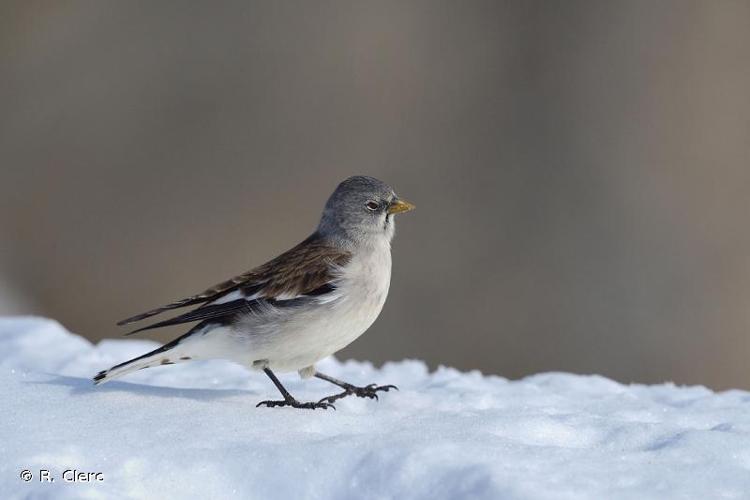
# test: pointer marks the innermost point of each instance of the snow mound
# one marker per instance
(193, 431)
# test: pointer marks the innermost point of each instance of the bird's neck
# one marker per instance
(353, 239)
(353, 242)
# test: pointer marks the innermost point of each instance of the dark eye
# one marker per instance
(372, 205)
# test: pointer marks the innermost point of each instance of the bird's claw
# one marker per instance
(296, 404)
(375, 387)
(368, 391)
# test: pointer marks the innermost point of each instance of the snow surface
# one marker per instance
(193, 431)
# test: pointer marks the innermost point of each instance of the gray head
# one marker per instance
(361, 210)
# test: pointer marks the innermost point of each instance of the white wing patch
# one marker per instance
(237, 294)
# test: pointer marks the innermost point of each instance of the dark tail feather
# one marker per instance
(164, 355)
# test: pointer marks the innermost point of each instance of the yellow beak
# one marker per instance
(398, 206)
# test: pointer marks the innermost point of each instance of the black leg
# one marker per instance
(288, 398)
(369, 391)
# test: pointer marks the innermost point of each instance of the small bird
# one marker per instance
(298, 308)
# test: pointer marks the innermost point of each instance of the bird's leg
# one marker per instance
(369, 391)
(289, 399)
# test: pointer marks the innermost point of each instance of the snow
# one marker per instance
(193, 431)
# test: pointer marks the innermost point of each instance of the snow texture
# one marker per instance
(193, 431)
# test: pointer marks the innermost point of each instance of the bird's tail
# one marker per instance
(167, 354)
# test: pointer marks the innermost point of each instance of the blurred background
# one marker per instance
(581, 169)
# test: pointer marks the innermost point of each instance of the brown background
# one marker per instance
(580, 168)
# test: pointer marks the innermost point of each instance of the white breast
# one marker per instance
(362, 290)
(339, 320)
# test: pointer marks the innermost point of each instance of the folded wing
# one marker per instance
(308, 269)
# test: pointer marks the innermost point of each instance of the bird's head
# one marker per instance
(361, 210)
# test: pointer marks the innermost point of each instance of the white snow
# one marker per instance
(193, 431)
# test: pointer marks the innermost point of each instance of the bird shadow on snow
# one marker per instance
(80, 386)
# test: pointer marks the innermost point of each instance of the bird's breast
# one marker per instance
(367, 277)
(362, 290)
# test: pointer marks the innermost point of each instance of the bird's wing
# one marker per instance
(308, 269)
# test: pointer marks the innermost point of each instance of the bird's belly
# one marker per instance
(316, 334)
(298, 341)
(298, 337)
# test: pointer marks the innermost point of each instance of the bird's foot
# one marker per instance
(296, 404)
(368, 391)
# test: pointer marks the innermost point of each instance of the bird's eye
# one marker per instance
(372, 205)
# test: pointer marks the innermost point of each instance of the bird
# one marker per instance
(298, 308)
